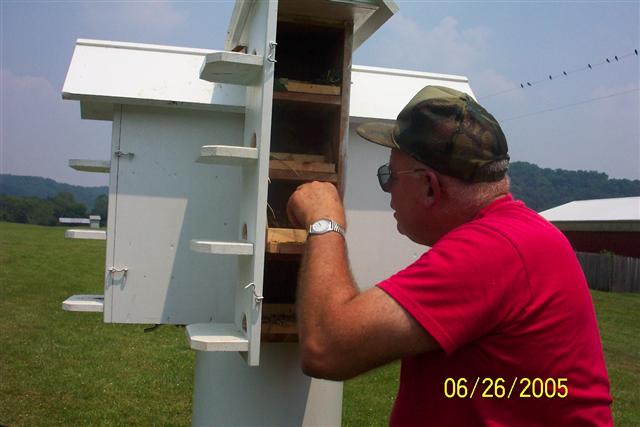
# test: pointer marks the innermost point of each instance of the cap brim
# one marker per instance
(378, 133)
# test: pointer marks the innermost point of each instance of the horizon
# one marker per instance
(510, 163)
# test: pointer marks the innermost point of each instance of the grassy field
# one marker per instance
(60, 368)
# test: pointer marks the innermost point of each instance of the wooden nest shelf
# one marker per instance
(279, 323)
(289, 241)
(301, 167)
(307, 98)
(286, 85)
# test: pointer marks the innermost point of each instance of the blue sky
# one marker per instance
(498, 45)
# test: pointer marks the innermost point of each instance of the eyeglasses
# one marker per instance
(385, 176)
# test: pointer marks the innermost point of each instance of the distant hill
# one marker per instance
(43, 188)
(543, 188)
(540, 188)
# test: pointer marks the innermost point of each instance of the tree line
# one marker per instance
(21, 198)
(46, 211)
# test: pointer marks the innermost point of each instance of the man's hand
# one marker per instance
(313, 201)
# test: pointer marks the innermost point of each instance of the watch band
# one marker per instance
(326, 225)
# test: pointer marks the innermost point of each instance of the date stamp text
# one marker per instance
(501, 388)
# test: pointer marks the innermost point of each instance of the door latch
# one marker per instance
(123, 154)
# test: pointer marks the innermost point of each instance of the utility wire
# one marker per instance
(561, 107)
(564, 73)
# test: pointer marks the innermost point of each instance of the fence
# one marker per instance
(611, 273)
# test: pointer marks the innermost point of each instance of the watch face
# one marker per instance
(321, 226)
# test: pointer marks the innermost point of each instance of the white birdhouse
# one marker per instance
(206, 148)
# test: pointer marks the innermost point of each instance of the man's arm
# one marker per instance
(343, 332)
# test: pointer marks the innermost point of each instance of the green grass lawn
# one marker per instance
(61, 368)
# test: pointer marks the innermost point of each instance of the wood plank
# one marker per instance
(307, 98)
(279, 323)
(84, 303)
(231, 67)
(341, 150)
(307, 87)
(221, 248)
(298, 166)
(85, 165)
(86, 234)
(285, 240)
(227, 154)
(217, 337)
(289, 175)
(298, 157)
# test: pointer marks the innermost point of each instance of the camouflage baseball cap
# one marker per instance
(448, 131)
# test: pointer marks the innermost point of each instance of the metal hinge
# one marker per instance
(271, 57)
(257, 299)
(113, 270)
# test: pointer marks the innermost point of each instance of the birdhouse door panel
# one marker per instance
(159, 200)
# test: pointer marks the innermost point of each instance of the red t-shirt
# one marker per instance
(506, 299)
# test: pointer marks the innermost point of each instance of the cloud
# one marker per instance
(156, 17)
(443, 48)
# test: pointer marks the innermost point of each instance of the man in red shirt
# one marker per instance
(494, 324)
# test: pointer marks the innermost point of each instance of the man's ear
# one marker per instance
(433, 190)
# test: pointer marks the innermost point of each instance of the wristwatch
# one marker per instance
(325, 225)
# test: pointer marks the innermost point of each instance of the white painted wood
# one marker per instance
(85, 165)
(103, 74)
(237, 24)
(259, 31)
(88, 303)
(86, 234)
(217, 337)
(74, 221)
(231, 67)
(221, 248)
(109, 301)
(160, 200)
(366, 25)
(227, 392)
(228, 155)
(381, 93)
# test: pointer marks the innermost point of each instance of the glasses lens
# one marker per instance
(384, 176)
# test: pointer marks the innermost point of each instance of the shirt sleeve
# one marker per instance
(469, 283)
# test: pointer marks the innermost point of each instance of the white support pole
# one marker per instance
(227, 392)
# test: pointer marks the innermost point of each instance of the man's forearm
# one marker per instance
(325, 286)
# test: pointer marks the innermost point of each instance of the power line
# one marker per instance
(586, 101)
(565, 73)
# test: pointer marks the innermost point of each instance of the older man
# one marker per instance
(494, 324)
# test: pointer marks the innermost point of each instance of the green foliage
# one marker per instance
(543, 189)
(31, 210)
(100, 207)
(65, 206)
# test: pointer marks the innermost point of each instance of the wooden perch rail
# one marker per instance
(285, 240)
(279, 323)
(301, 167)
(287, 85)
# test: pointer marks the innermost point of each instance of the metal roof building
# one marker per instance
(601, 224)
